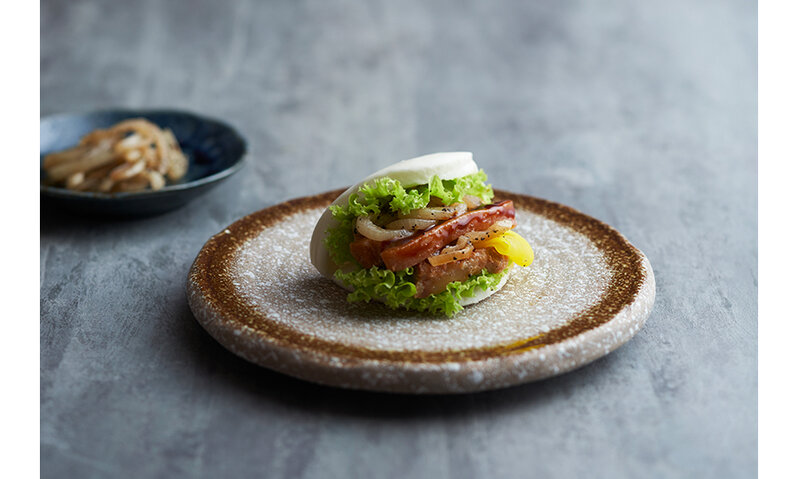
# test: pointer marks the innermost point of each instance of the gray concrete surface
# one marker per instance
(642, 114)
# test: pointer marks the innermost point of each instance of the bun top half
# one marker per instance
(412, 172)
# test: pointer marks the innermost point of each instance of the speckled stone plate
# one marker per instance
(252, 287)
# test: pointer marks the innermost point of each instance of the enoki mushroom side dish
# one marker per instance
(132, 155)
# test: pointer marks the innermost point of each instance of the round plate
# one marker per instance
(252, 287)
(215, 150)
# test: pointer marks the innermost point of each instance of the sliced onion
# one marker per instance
(411, 224)
(462, 250)
(496, 229)
(441, 213)
(367, 228)
(472, 202)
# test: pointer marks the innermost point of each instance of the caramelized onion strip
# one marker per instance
(411, 224)
(367, 228)
(462, 250)
(440, 213)
(472, 202)
(495, 230)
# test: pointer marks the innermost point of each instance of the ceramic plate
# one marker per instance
(215, 150)
(252, 287)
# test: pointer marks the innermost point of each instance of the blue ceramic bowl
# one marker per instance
(215, 150)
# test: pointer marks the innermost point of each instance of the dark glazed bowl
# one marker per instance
(215, 150)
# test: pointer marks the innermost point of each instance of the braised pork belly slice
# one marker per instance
(434, 279)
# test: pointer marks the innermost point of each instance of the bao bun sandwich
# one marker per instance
(423, 234)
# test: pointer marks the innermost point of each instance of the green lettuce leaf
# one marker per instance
(338, 239)
(396, 289)
(387, 194)
(452, 191)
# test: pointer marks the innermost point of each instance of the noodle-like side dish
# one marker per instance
(132, 155)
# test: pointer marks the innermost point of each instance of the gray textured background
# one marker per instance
(642, 114)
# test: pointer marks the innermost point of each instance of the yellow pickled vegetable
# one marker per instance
(512, 245)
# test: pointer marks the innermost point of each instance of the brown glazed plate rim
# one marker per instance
(227, 318)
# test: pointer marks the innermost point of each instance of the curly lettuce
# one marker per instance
(397, 289)
(387, 194)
